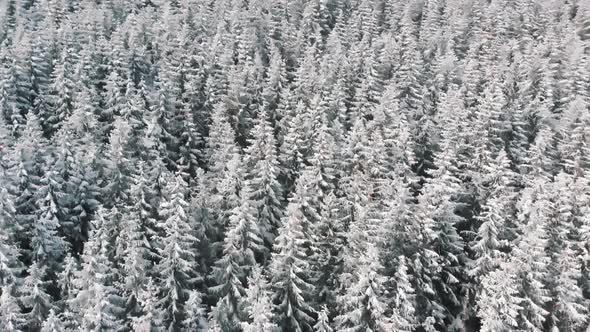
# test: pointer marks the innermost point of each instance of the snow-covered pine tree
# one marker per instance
(362, 303)
(176, 266)
(26, 169)
(148, 318)
(195, 312)
(323, 323)
(10, 265)
(97, 304)
(48, 246)
(294, 147)
(499, 303)
(52, 323)
(241, 245)
(258, 304)
(327, 259)
(225, 173)
(11, 318)
(117, 165)
(403, 317)
(263, 171)
(441, 253)
(35, 298)
(137, 241)
(289, 267)
(63, 89)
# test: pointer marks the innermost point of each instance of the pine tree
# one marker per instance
(117, 165)
(195, 312)
(35, 297)
(496, 211)
(136, 243)
(568, 307)
(362, 304)
(327, 260)
(499, 303)
(101, 314)
(53, 323)
(63, 89)
(225, 170)
(261, 160)
(10, 265)
(323, 325)
(241, 245)
(289, 265)
(403, 318)
(113, 102)
(26, 169)
(190, 144)
(529, 259)
(47, 244)
(73, 179)
(148, 319)
(11, 318)
(258, 304)
(176, 265)
(67, 278)
(295, 145)
(96, 304)
(276, 80)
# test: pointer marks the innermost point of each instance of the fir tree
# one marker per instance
(148, 318)
(323, 324)
(96, 304)
(241, 245)
(263, 172)
(195, 312)
(11, 318)
(53, 323)
(362, 304)
(404, 311)
(289, 265)
(258, 304)
(35, 297)
(176, 266)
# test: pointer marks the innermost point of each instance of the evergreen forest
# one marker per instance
(295, 165)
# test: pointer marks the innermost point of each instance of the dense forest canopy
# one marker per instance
(294, 165)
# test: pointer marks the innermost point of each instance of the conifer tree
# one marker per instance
(67, 278)
(362, 304)
(263, 174)
(327, 260)
(117, 165)
(258, 304)
(34, 297)
(11, 318)
(323, 324)
(149, 164)
(63, 88)
(404, 311)
(47, 244)
(241, 245)
(225, 165)
(289, 265)
(195, 312)
(499, 302)
(176, 265)
(96, 304)
(148, 318)
(443, 246)
(10, 265)
(53, 323)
